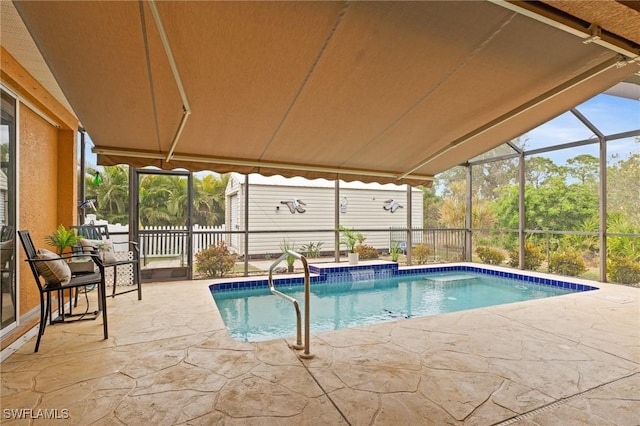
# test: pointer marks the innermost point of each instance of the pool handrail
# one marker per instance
(307, 292)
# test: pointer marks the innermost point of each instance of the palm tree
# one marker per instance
(177, 202)
(162, 199)
(453, 207)
(154, 194)
(112, 194)
(209, 199)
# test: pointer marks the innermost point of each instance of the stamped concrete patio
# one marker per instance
(573, 359)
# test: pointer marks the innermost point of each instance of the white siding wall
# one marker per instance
(232, 211)
(3, 202)
(364, 211)
(264, 215)
(234, 224)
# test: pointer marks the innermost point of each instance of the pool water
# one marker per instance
(252, 315)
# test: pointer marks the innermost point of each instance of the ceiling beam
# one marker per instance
(589, 32)
(186, 109)
(556, 91)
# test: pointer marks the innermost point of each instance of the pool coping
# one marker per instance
(341, 272)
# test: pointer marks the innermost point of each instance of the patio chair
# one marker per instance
(7, 247)
(52, 275)
(122, 267)
(92, 232)
(7, 253)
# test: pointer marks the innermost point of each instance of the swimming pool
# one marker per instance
(252, 313)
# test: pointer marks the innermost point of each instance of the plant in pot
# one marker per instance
(349, 239)
(287, 246)
(63, 238)
(395, 251)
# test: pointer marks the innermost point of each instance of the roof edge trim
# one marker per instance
(546, 14)
(252, 163)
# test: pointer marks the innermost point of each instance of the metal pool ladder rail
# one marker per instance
(298, 345)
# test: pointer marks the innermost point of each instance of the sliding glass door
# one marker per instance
(8, 125)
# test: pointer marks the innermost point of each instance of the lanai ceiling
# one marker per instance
(373, 91)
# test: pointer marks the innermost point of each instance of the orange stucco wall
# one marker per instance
(47, 176)
(67, 190)
(38, 179)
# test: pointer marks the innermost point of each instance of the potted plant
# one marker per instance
(349, 239)
(395, 251)
(287, 246)
(63, 238)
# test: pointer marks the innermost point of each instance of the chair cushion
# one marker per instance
(6, 251)
(103, 247)
(54, 272)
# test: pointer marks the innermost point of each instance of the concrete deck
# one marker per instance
(570, 360)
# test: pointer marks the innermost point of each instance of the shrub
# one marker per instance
(215, 261)
(533, 257)
(312, 249)
(567, 263)
(366, 252)
(489, 255)
(624, 270)
(421, 253)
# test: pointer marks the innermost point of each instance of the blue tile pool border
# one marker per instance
(333, 274)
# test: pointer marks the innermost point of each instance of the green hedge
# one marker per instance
(490, 256)
(567, 263)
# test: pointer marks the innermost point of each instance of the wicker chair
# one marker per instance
(122, 267)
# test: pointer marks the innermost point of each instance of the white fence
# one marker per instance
(205, 236)
(169, 241)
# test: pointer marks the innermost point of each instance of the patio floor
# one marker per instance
(573, 359)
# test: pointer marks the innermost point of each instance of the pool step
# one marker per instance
(452, 278)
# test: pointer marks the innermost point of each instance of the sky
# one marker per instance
(610, 114)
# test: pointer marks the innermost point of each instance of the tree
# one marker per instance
(585, 168)
(554, 206)
(4, 152)
(432, 204)
(162, 199)
(444, 180)
(506, 208)
(209, 200)
(454, 206)
(112, 194)
(623, 186)
(489, 177)
(628, 247)
(153, 203)
(178, 201)
(538, 170)
(482, 215)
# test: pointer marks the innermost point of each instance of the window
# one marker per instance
(8, 208)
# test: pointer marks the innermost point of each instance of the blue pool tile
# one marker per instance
(343, 274)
